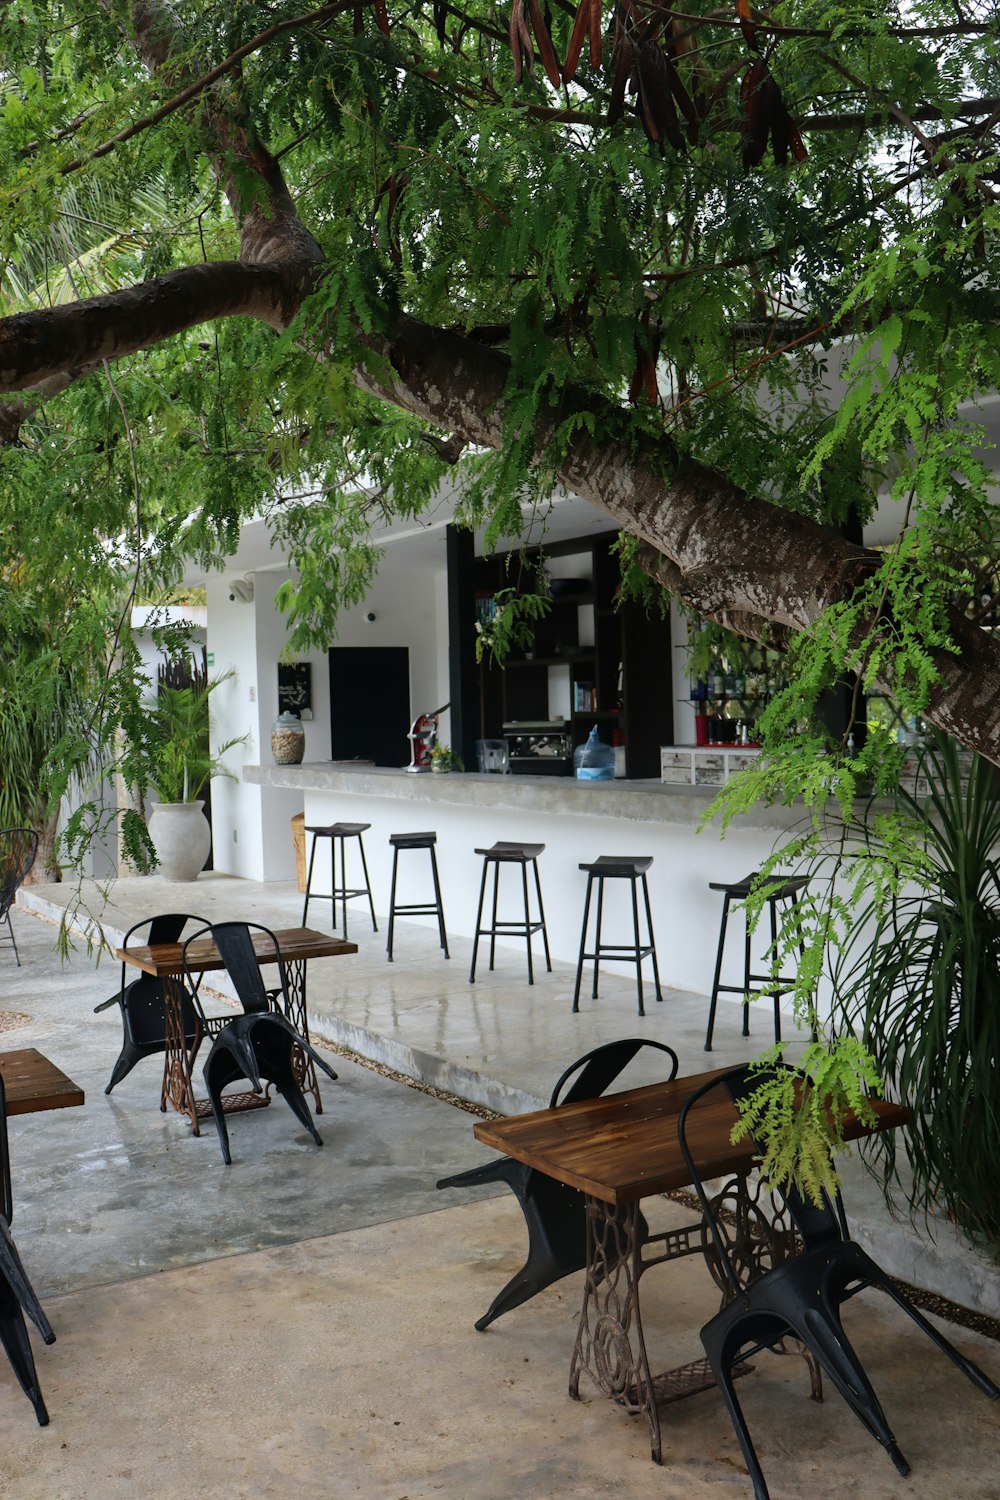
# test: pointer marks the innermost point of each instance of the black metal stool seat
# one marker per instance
(400, 841)
(617, 867)
(333, 832)
(787, 889)
(504, 853)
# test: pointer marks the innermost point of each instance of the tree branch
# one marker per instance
(62, 344)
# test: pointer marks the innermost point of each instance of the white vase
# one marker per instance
(181, 837)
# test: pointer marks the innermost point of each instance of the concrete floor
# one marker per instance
(303, 1319)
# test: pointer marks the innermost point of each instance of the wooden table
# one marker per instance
(32, 1083)
(617, 1150)
(166, 962)
(29, 1083)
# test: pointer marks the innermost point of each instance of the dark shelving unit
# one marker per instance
(627, 668)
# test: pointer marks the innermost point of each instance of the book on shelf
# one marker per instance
(584, 698)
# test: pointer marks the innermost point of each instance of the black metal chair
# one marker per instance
(799, 1297)
(18, 847)
(17, 1295)
(555, 1215)
(261, 1044)
(141, 1000)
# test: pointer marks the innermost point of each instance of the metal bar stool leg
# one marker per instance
(479, 923)
(309, 879)
(541, 916)
(343, 879)
(652, 940)
(493, 929)
(392, 901)
(813, 1033)
(746, 972)
(597, 936)
(638, 951)
(440, 904)
(583, 943)
(776, 967)
(718, 973)
(527, 920)
(364, 866)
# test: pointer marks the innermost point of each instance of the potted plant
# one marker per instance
(919, 982)
(183, 765)
(443, 758)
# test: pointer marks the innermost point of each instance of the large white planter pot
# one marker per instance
(181, 837)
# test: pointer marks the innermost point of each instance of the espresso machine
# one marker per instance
(423, 738)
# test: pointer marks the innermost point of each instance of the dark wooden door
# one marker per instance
(370, 704)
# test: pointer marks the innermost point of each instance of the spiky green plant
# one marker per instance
(179, 726)
(919, 981)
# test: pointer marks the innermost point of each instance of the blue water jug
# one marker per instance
(593, 760)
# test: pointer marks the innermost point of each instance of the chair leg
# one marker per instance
(127, 1060)
(10, 929)
(479, 923)
(652, 940)
(13, 1274)
(638, 956)
(442, 934)
(392, 901)
(719, 1360)
(970, 1370)
(281, 1075)
(583, 943)
(717, 977)
(527, 919)
(214, 1087)
(541, 916)
(14, 1337)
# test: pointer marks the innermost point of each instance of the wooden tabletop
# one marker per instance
(32, 1083)
(296, 943)
(623, 1147)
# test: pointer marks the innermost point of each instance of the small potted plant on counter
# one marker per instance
(443, 758)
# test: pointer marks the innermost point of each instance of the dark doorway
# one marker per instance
(370, 704)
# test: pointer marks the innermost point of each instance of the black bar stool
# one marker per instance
(333, 832)
(788, 888)
(618, 867)
(425, 908)
(511, 854)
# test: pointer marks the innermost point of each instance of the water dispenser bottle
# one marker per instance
(593, 760)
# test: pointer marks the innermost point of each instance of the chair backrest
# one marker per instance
(165, 928)
(234, 941)
(18, 847)
(597, 1070)
(815, 1223)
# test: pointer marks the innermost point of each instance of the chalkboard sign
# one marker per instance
(295, 688)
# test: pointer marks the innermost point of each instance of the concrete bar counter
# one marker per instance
(576, 821)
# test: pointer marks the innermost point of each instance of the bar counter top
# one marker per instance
(651, 801)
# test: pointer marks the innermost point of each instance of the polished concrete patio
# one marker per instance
(303, 1319)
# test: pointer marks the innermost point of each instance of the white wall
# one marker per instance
(410, 606)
